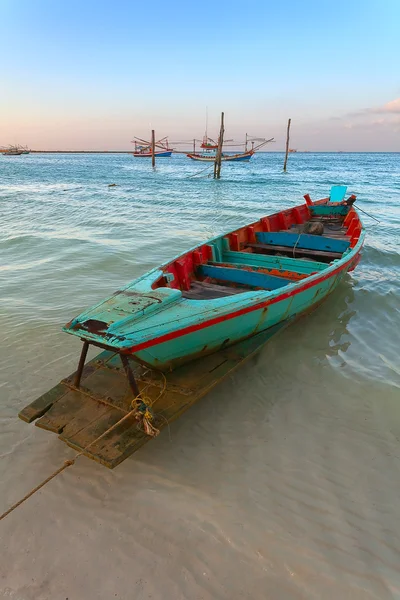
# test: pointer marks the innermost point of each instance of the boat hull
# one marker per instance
(227, 158)
(164, 321)
(252, 319)
(163, 154)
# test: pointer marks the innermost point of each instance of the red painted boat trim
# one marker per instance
(192, 328)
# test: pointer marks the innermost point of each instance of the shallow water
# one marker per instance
(284, 481)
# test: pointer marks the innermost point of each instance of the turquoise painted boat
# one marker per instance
(229, 288)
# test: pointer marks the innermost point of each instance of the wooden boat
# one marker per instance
(143, 150)
(229, 288)
(218, 304)
(12, 151)
(144, 153)
(210, 146)
(210, 155)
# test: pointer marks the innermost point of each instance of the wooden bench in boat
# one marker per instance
(282, 263)
(287, 275)
(320, 255)
(252, 279)
(203, 290)
(303, 241)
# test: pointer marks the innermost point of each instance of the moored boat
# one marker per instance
(210, 156)
(231, 287)
(144, 153)
(143, 150)
(12, 151)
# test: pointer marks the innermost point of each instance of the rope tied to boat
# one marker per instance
(145, 415)
(140, 408)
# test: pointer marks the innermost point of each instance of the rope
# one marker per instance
(294, 247)
(202, 171)
(141, 409)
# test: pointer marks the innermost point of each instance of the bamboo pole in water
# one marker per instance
(287, 144)
(153, 148)
(218, 158)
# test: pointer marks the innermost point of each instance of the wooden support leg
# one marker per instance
(129, 374)
(81, 364)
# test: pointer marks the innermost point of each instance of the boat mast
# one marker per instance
(218, 156)
(287, 144)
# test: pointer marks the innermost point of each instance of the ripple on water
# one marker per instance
(283, 481)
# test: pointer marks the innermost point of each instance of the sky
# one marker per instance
(92, 74)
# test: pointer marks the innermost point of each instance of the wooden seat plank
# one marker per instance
(203, 290)
(318, 255)
(244, 277)
(302, 240)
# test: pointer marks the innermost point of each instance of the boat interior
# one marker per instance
(269, 254)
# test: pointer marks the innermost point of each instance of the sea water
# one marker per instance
(282, 483)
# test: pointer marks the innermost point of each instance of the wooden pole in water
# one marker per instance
(287, 144)
(194, 146)
(153, 148)
(218, 158)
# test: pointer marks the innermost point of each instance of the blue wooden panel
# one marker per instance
(306, 241)
(283, 263)
(251, 278)
(328, 209)
(338, 193)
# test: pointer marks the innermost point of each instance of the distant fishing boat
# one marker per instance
(143, 149)
(210, 153)
(15, 150)
(210, 148)
(231, 287)
(292, 150)
(12, 151)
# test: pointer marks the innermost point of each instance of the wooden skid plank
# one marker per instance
(91, 411)
(111, 386)
(127, 439)
(57, 417)
(84, 437)
(41, 405)
(80, 419)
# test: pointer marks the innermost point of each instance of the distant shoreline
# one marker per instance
(184, 152)
(81, 151)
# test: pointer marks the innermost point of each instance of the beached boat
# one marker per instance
(218, 304)
(229, 288)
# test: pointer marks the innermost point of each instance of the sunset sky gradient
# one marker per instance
(92, 74)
